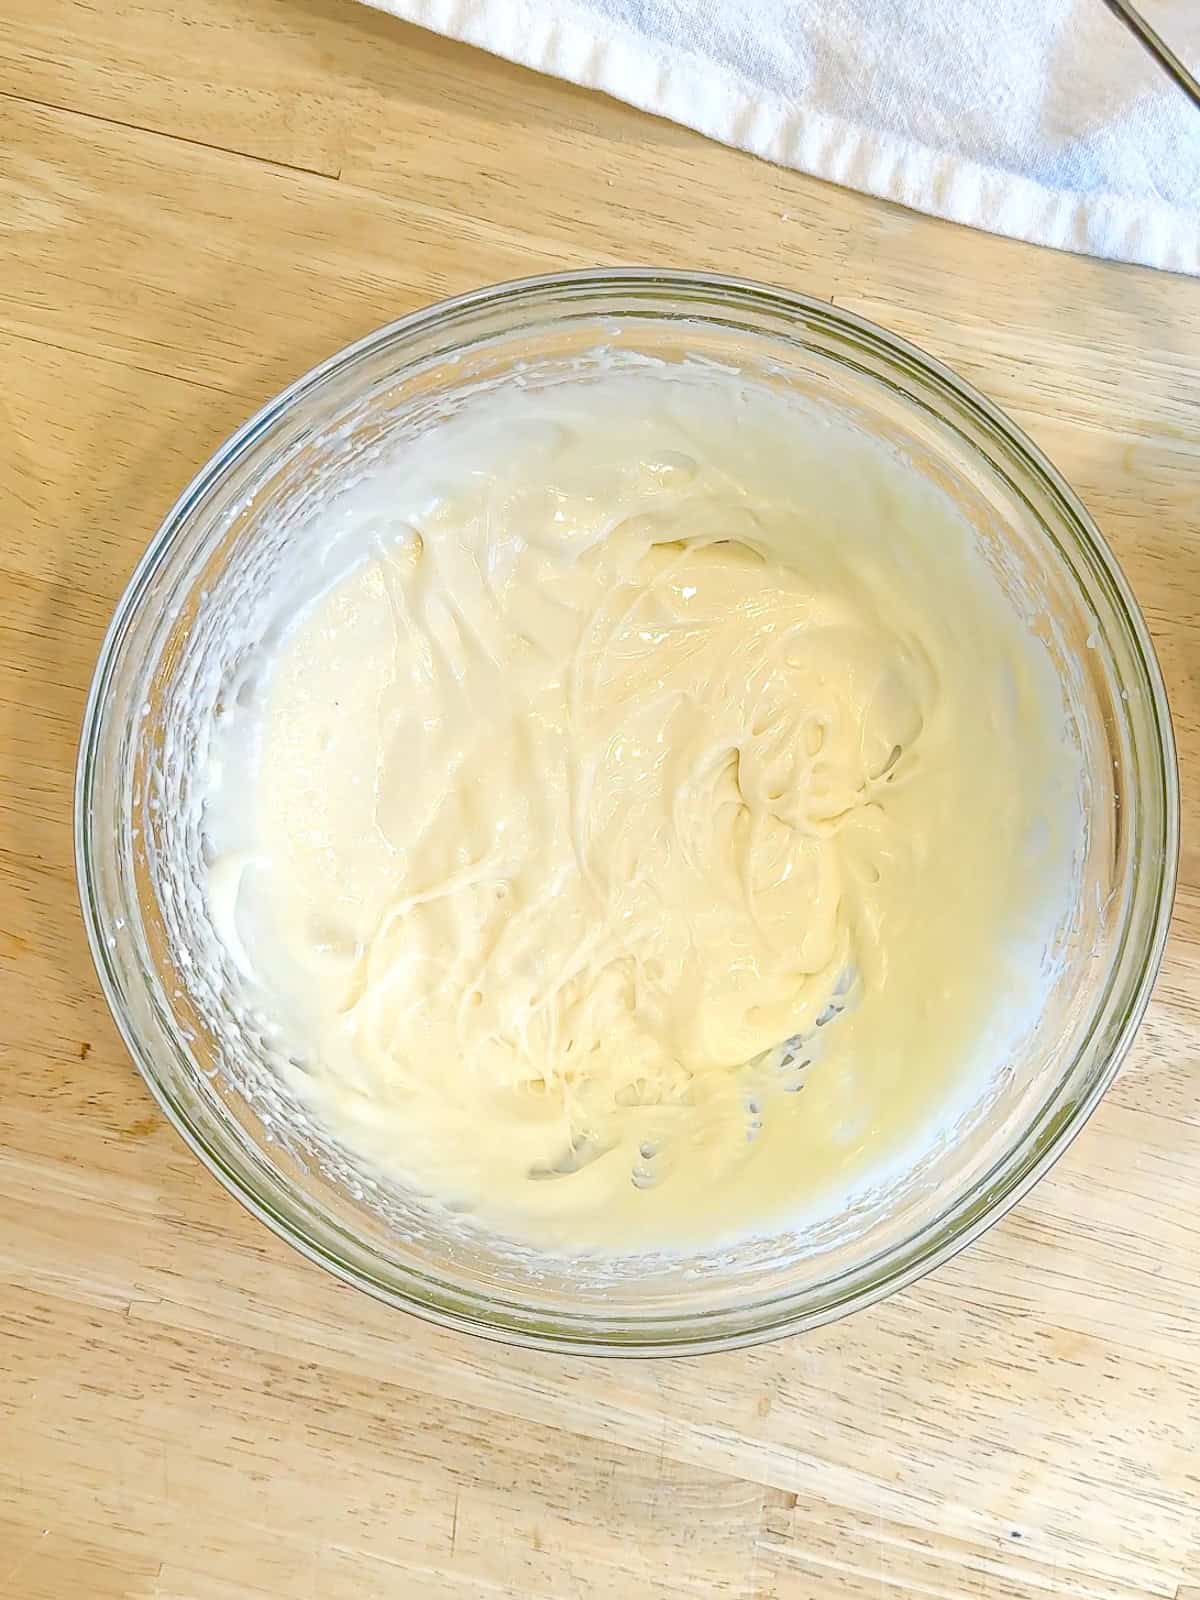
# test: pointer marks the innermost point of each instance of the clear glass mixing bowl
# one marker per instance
(201, 1060)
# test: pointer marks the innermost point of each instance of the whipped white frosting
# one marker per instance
(653, 817)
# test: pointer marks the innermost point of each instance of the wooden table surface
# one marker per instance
(198, 200)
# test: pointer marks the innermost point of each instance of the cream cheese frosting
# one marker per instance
(653, 817)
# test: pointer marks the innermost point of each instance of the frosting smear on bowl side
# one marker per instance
(653, 819)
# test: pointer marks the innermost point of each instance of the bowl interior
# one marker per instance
(165, 667)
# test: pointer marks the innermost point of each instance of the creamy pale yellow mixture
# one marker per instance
(655, 821)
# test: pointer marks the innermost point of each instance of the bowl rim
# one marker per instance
(569, 1333)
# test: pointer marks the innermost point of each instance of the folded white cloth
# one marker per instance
(1041, 119)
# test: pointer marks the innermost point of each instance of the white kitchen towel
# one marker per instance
(1041, 119)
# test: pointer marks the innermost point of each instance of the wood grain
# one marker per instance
(198, 199)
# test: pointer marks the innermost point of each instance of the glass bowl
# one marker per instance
(201, 1060)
